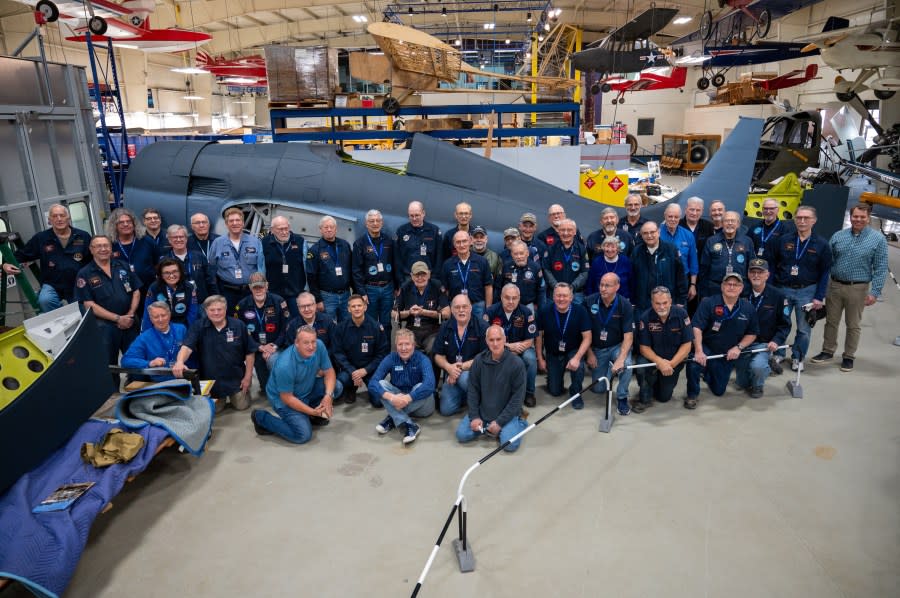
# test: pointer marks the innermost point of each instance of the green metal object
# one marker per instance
(788, 193)
(7, 241)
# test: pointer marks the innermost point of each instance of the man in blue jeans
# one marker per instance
(328, 271)
(612, 336)
(410, 393)
(496, 392)
(301, 389)
(520, 329)
(459, 340)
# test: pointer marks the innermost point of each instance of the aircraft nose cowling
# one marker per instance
(587, 60)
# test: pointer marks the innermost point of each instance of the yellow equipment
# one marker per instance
(604, 186)
(788, 193)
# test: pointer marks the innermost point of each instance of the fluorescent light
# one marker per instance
(682, 20)
(457, 42)
(528, 18)
(489, 26)
(192, 98)
(546, 26)
(527, 54)
(239, 80)
(190, 70)
(507, 41)
(241, 102)
(360, 18)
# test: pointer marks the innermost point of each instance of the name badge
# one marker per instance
(716, 326)
(380, 267)
(603, 335)
(238, 274)
(127, 286)
(423, 250)
(364, 347)
(759, 252)
(464, 292)
(514, 277)
(417, 322)
(229, 336)
(795, 270)
(131, 266)
(562, 346)
(729, 269)
(458, 358)
(284, 268)
(338, 271)
(262, 338)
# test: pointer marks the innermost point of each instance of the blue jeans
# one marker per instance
(336, 305)
(421, 408)
(453, 396)
(381, 300)
(556, 369)
(604, 357)
(796, 299)
(529, 358)
(716, 373)
(292, 425)
(478, 309)
(464, 432)
(346, 381)
(48, 299)
(753, 372)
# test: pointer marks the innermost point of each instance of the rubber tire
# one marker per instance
(763, 23)
(595, 89)
(718, 80)
(97, 25)
(845, 97)
(884, 94)
(48, 9)
(390, 105)
(606, 88)
(706, 25)
(615, 101)
(702, 83)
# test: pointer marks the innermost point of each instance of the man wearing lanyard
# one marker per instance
(417, 241)
(266, 316)
(773, 315)
(564, 339)
(235, 257)
(358, 346)
(463, 216)
(153, 224)
(612, 337)
(283, 251)
(609, 227)
(460, 339)
(683, 240)
(373, 270)
(309, 316)
(725, 252)
(857, 277)
(768, 229)
(112, 291)
(655, 263)
(520, 330)
(524, 273)
(550, 235)
(664, 339)
(700, 227)
(468, 274)
(196, 266)
(328, 271)
(802, 264)
(201, 239)
(62, 251)
(566, 261)
(422, 305)
(633, 222)
(724, 324)
(156, 347)
(130, 245)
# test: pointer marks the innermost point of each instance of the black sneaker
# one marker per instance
(578, 403)
(775, 366)
(258, 428)
(846, 365)
(530, 401)
(623, 407)
(756, 392)
(318, 421)
(822, 357)
(350, 395)
(641, 406)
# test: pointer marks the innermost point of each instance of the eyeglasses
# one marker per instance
(604, 285)
(802, 217)
(177, 238)
(650, 232)
(307, 306)
(772, 208)
(732, 284)
(168, 274)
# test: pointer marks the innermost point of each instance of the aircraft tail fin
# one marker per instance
(835, 23)
(202, 58)
(812, 70)
(679, 76)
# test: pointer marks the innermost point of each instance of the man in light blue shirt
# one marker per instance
(684, 242)
(234, 257)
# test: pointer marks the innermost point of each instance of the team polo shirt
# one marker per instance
(518, 326)
(323, 325)
(362, 346)
(802, 263)
(456, 349)
(328, 267)
(562, 332)
(285, 269)
(609, 324)
(59, 265)
(431, 298)
(469, 279)
(221, 353)
(296, 374)
(266, 324)
(724, 328)
(773, 315)
(665, 338)
(113, 293)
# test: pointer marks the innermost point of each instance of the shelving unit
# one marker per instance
(335, 116)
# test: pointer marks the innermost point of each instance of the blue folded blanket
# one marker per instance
(41, 550)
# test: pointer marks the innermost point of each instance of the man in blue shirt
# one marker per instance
(469, 274)
(563, 341)
(358, 346)
(683, 240)
(285, 270)
(410, 393)
(769, 228)
(612, 335)
(523, 272)
(156, 347)
(459, 340)
(328, 270)
(373, 270)
(520, 330)
(417, 241)
(566, 261)
(725, 252)
(726, 325)
(301, 390)
(234, 257)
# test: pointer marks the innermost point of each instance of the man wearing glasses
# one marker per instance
(654, 264)
(726, 325)
(309, 316)
(770, 228)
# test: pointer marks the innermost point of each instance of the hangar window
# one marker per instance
(81, 216)
(645, 126)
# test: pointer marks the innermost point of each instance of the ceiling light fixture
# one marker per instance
(546, 26)
(191, 98)
(489, 26)
(444, 11)
(528, 18)
(190, 70)
(507, 41)
(457, 41)
(360, 18)
(682, 20)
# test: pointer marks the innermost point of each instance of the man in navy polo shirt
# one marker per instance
(769, 228)
(328, 270)
(417, 241)
(467, 273)
(373, 270)
(523, 272)
(266, 317)
(358, 346)
(566, 261)
(773, 315)
(459, 340)
(724, 324)
(725, 252)
(520, 330)
(664, 339)
(285, 271)
(563, 341)
(612, 335)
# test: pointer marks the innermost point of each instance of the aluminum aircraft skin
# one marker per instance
(627, 49)
(307, 181)
(126, 24)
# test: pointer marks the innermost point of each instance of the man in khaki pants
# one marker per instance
(857, 277)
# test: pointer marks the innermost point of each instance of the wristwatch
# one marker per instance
(740, 347)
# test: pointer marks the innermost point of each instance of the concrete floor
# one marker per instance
(774, 497)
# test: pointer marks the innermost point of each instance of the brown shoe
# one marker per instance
(530, 401)
(690, 403)
(641, 406)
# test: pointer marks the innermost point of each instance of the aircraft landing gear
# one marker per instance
(884, 94)
(763, 23)
(48, 10)
(97, 25)
(845, 97)
(606, 88)
(595, 89)
(706, 23)
(702, 83)
(390, 105)
(718, 80)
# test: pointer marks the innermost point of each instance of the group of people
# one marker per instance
(315, 320)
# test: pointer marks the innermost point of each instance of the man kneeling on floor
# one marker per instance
(496, 392)
(301, 389)
(410, 393)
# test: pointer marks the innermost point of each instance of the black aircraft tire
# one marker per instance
(764, 23)
(595, 89)
(706, 23)
(718, 80)
(845, 97)
(48, 10)
(97, 25)
(702, 83)
(390, 105)
(606, 88)
(884, 94)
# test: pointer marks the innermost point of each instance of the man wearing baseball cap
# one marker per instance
(527, 230)
(725, 325)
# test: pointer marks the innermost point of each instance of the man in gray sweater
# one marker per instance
(495, 395)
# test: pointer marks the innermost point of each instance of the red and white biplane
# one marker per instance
(648, 79)
(247, 71)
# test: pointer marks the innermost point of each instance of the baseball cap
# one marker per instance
(758, 263)
(419, 267)
(478, 230)
(511, 232)
(257, 279)
(528, 217)
(733, 275)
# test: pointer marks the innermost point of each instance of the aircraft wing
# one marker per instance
(777, 8)
(75, 14)
(757, 53)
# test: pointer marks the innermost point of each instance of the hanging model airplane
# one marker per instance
(789, 79)
(872, 49)
(717, 61)
(242, 71)
(126, 24)
(649, 80)
(762, 21)
(414, 60)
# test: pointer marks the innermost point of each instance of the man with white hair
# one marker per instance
(417, 241)
(768, 228)
(693, 220)
(550, 235)
(683, 240)
(196, 267)
(566, 261)
(235, 257)
(374, 276)
(609, 227)
(725, 252)
(285, 271)
(633, 220)
(328, 271)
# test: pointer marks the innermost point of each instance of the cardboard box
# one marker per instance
(298, 74)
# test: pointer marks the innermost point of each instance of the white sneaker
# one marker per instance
(796, 365)
(412, 431)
